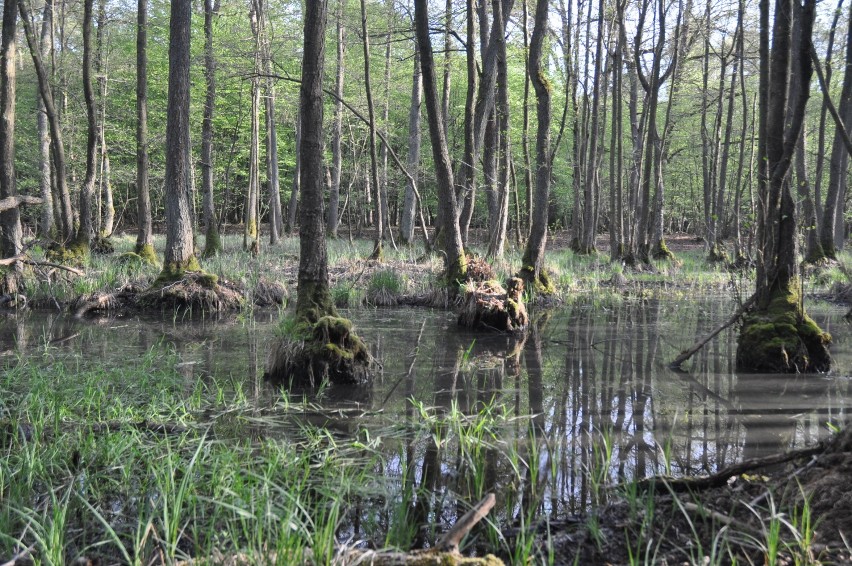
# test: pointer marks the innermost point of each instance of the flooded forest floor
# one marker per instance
(138, 437)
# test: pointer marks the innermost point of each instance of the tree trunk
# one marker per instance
(57, 147)
(212, 239)
(532, 267)
(839, 162)
(10, 220)
(779, 336)
(500, 213)
(180, 247)
(251, 219)
(806, 196)
(297, 176)
(455, 262)
(46, 182)
(337, 129)
(371, 115)
(86, 232)
(145, 229)
(407, 220)
(107, 214)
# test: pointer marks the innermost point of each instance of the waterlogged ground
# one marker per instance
(547, 422)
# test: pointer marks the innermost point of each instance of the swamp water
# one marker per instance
(585, 400)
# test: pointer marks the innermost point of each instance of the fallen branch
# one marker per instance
(721, 478)
(686, 354)
(451, 539)
(15, 201)
(25, 259)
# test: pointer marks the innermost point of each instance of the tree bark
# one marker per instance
(455, 262)
(180, 248)
(106, 209)
(46, 179)
(406, 227)
(10, 219)
(293, 205)
(371, 116)
(532, 269)
(779, 336)
(145, 228)
(337, 128)
(86, 232)
(314, 299)
(57, 146)
(212, 239)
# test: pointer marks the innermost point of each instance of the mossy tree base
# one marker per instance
(488, 306)
(147, 253)
(717, 254)
(661, 251)
(76, 253)
(540, 283)
(311, 353)
(212, 243)
(782, 339)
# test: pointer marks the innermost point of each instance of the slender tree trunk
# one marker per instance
(145, 229)
(525, 129)
(212, 239)
(105, 181)
(314, 299)
(532, 269)
(806, 196)
(337, 128)
(408, 209)
(297, 176)
(46, 182)
(57, 147)
(10, 220)
(180, 247)
(371, 114)
(820, 164)
(86, 233)
(500, 214)
(616, 199)
(276, 220)
(839, 162)
(455, 262)
(448, 66)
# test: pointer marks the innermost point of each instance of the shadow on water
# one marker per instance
(582, 401)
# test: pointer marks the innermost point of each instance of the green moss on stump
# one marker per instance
(212, 243)
(147, 253)
(661, 251)
(782, 339)
(309, 353)
(541, 284)
(174, 271)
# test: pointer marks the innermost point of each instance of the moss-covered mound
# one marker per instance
(782, 339)
(76, 253)
(268, 293)
(490, 307)
(102, 246)
(539, 283)
(308, 354)
(195, 290)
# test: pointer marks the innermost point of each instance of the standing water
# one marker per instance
(584, 400)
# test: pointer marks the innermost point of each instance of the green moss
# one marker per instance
(310, 352)
(541, 284)
(314, 301)
(174, 271)
(147, 253)
(781, 338)
(717, 254)
(212, 242)
(661, 251)
(75, 253)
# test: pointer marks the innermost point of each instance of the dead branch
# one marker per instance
(686, 354)
(15, 201)
(663, 482)
(451, 539)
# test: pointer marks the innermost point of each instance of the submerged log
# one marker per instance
(487, 305)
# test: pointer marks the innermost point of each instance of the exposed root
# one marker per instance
(194, 291)
(489, 306)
